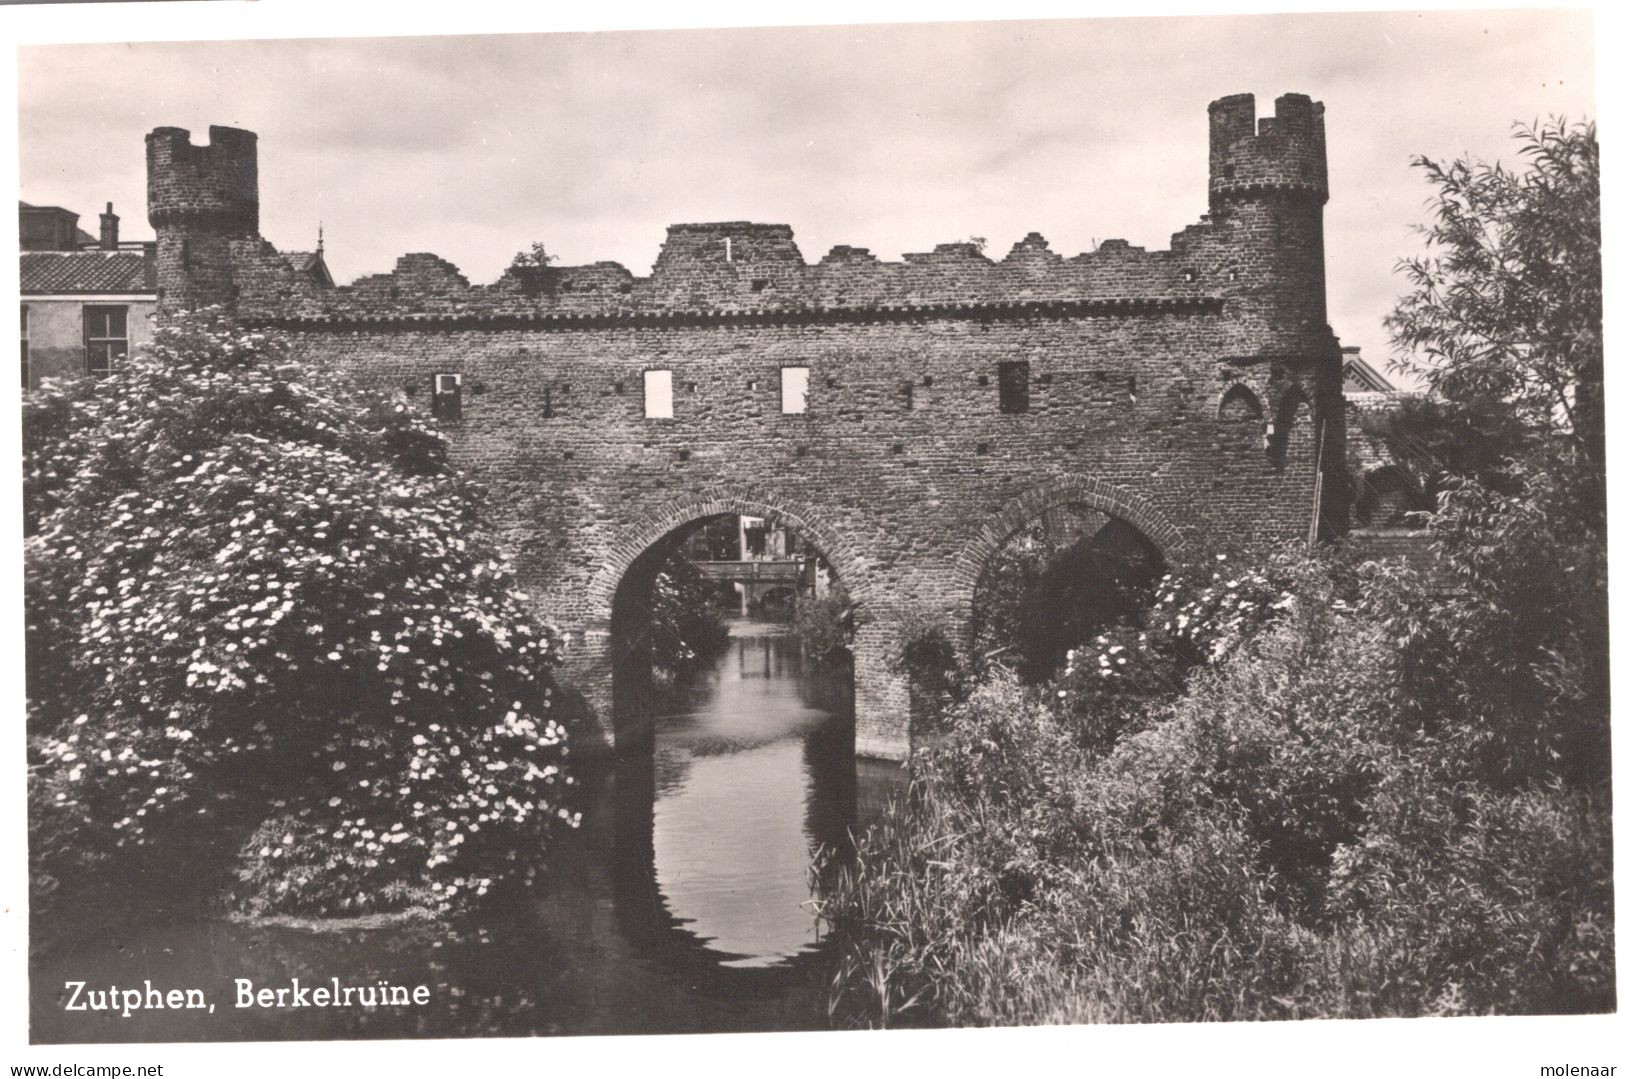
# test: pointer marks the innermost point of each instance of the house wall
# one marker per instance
(56, 332)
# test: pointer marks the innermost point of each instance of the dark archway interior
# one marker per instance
(1068, 574)
(1388, 496)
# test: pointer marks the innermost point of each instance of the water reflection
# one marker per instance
(680, 906)
(749, 778)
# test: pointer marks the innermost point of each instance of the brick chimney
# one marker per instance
(109, 229)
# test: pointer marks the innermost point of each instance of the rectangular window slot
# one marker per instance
(620, 387)
(908, 396)
(801, 451)
(896, 448)
(547, 403)
(657, 395)
(927, 381)
(752, 384)
(107, 338)
(692, 386)
(793, 390)
(569, 455)
(682, 455)
(981, 380)
(981, 448)
(447, 402)
(1013, 379)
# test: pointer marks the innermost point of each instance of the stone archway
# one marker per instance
(881, 698)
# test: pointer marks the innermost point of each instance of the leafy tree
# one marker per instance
(260, 601)
(1507, 313)
(536, 258)
(1506, 305)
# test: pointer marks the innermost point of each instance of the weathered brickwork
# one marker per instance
(903, 469)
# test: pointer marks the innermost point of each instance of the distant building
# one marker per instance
(1360, 377)
(86, 300)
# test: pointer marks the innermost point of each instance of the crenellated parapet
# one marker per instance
(1281, 153)
(215, 185)
(1257, 257)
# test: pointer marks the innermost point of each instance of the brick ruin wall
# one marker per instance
(1156, 379)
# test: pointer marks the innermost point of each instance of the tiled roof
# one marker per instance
(91, 270)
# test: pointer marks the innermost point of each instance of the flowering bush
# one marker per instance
(258, 597)
(1198, 615)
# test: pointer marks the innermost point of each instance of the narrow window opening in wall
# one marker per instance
(1188, 275)
(107, 338)
(447, 402)
(569, 455)
(981, 448)
(657, 395)
(981, 380)
(691, 386)
(626, 288)
(801, 451)
(394, 292)
(1240, 405)
(186, 254)
(682, 455)
(793, 390)
(927, 381)
(1133, 389)
(896, 448)
(830, 382)
(1229, 172)
(620, 387)
(1013, 380)
(908, 397)
(728, 248)
(752, 384)
(759, 284)
(547, 402)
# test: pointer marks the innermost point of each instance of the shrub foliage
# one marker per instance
(259, 600)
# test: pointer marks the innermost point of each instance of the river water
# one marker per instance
(680, 906)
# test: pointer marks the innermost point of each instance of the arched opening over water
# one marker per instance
(735, 761)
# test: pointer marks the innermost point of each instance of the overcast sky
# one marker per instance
(894, 138)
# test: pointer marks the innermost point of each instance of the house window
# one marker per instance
(107, 338)
(448, 397)
(1013, 376)
(657, 395)
(23, 324)
(793, 390)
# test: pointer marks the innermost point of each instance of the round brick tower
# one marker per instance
(1267, 183)
(200, 199)
(1267, 190)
